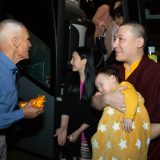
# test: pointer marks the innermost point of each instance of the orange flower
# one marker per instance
(37, 102)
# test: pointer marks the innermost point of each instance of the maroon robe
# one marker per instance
(146, 80)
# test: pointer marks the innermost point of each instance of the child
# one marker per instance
(121, 136)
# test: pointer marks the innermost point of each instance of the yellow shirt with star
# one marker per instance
(111, 142)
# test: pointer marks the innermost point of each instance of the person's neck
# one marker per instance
(130, 62)
(82, 76)
(10, 56)
(13, 58)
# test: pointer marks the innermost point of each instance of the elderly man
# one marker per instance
(14, 46)
(143, 73)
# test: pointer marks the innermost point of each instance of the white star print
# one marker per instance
(145, 126)
(148, 141)
(138, 110)
(113, 158)
(108, 144)
(95, 144)
(138, 143)
(100, 158)
(122, 144)
(102, 128)
(133, 126)
(110, 111)
(116, 126)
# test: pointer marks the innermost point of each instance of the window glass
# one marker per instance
(152, 17)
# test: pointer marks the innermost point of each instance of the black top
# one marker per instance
(79, 111)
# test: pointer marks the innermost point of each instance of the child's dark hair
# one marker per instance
(109, 70)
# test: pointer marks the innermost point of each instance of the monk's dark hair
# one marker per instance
(137, 29)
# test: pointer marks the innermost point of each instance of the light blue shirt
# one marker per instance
(8, 93)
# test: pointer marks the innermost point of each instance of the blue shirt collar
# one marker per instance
(8, 62)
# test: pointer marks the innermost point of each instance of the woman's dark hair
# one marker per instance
(88, 90)
(109, 70)
(118, 12)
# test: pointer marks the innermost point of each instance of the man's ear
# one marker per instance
(15, 42)
(140, 42)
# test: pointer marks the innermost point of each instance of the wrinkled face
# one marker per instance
(104, 83)
(23, 45)
(125, 44)
(77, 63)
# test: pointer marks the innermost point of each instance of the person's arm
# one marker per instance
(102, 11)
(155, 130)
(6, 119)
(114, 99)
(82, 128)
(66, 111)
(101, 20)
(131, 100)
(74, 136)
(64, 121)
(97, 102)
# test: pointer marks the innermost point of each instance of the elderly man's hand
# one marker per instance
(31, 112)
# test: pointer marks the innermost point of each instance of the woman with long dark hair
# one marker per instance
(78, 119)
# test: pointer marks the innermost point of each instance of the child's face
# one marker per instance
(104, 83)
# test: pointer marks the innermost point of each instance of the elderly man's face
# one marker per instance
(24, 45)
(125, 45)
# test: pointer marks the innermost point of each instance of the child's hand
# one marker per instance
(127, 125)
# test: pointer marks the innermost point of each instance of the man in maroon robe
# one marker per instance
(143, 73)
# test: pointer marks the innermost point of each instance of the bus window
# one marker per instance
(38, 65)
(152, 16)
(152, 19)
(146, 12)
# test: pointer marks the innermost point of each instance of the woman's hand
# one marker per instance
(61, 134)
(74, 136)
